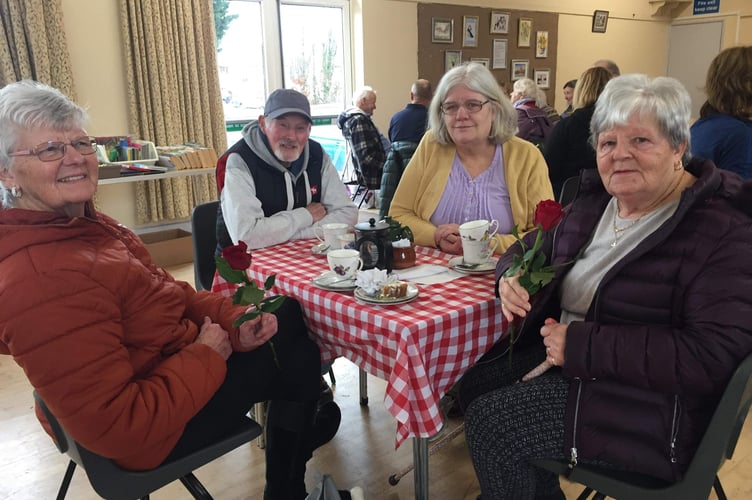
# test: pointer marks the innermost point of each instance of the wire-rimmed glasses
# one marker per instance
(53, 150)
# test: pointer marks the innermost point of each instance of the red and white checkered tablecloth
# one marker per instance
(420, 348)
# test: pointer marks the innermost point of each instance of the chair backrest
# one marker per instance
(115, 483)
(717, 444)
(203, 225)
(569, 190)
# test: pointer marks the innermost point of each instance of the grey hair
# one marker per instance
(477, 78)
(27, 105)
(526, 87)
(662, 99)
(541, 99)
(362, 93)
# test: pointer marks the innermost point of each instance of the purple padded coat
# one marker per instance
(665, 330)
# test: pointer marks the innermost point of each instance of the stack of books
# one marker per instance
(186, 156)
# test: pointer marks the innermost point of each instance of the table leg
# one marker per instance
(420, 460)
(363, 379)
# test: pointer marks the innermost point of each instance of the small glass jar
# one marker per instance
(403, 257)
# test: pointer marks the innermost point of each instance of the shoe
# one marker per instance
(325, 424)
(450, 406)
(326, 395)
(355, 493)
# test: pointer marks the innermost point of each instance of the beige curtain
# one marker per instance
(173, 94)
(33, 45)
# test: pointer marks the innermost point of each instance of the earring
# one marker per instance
(16, 192)
(678, 166)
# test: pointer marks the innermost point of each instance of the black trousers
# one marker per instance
(292, 390)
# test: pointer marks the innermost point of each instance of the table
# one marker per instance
(421, 348)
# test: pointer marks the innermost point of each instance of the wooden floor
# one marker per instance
(362, 453)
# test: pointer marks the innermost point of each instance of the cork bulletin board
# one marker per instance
(512, 43)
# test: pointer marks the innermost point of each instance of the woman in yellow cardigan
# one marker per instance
(470, 165)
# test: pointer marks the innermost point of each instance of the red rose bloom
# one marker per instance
(548, 213)
(237, 256)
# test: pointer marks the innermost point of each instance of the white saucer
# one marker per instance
(412, 294)
(458, 264)
(317, 249)
(332, 281)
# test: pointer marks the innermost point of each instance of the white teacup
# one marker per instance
(328, 233)
(478, 251)
(346, 240)
(344, 262)
(477, 230)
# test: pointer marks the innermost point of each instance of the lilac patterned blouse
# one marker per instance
(485, 197)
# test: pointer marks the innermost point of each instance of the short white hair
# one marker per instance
(362, 93)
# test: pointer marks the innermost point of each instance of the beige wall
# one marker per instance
(385, 57)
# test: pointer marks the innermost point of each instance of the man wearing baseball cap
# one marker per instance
(275, 182)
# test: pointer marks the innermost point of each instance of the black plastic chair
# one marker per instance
(717, 445)
(569, 190)
(203, 225)
(115, 483)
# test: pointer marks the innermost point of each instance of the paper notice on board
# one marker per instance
(499, 53)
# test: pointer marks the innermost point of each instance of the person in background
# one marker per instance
(551, 113)
(609, 65)
(724, 131)
(470, 165)
(301, 186)
(137, 367)
(568, 92)
(367, 145)
(567, 150)
(639, 363)
(406, 129)
(532, 123)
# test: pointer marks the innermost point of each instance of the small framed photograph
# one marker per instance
(452, 58)
(542, 78)
(499, 23)
(600, 20)
(519, 68)
(481, 60)
(524, 31)
(470, 31)
(442, 30)
(541, 44)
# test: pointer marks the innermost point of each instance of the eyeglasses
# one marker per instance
(452, 108)
(52, 150)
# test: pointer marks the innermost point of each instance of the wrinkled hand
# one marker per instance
(515, 301)
(554, 338)
(257, 331)
(317, 211)
(447, 238)
(215, 337)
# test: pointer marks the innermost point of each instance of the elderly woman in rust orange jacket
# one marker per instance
(137, 366)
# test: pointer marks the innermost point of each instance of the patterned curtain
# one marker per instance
(33, 45)
(173, 94)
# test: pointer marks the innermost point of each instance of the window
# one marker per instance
(304, 46)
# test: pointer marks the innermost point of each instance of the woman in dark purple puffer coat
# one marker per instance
(645, 321)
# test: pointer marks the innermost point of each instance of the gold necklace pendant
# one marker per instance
(618, 230)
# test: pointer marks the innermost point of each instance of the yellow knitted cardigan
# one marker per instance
(422, 185)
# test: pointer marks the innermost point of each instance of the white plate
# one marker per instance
(412, 294)
(330, 280)
(457, 263)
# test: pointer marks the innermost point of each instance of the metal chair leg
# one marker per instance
(260, 408)
(585, 494)
(719, 489)
(66, 480)
(193, 485)
(363, 383)
(331, 377)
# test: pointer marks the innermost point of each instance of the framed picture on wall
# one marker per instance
(541, 44)
(600, 20)
(524, 31)
(442, 30)
(499, 55)
(519, 68)
(452, 58)
(470, 31)
(542, 77)
(481, 60)
(499, 23)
